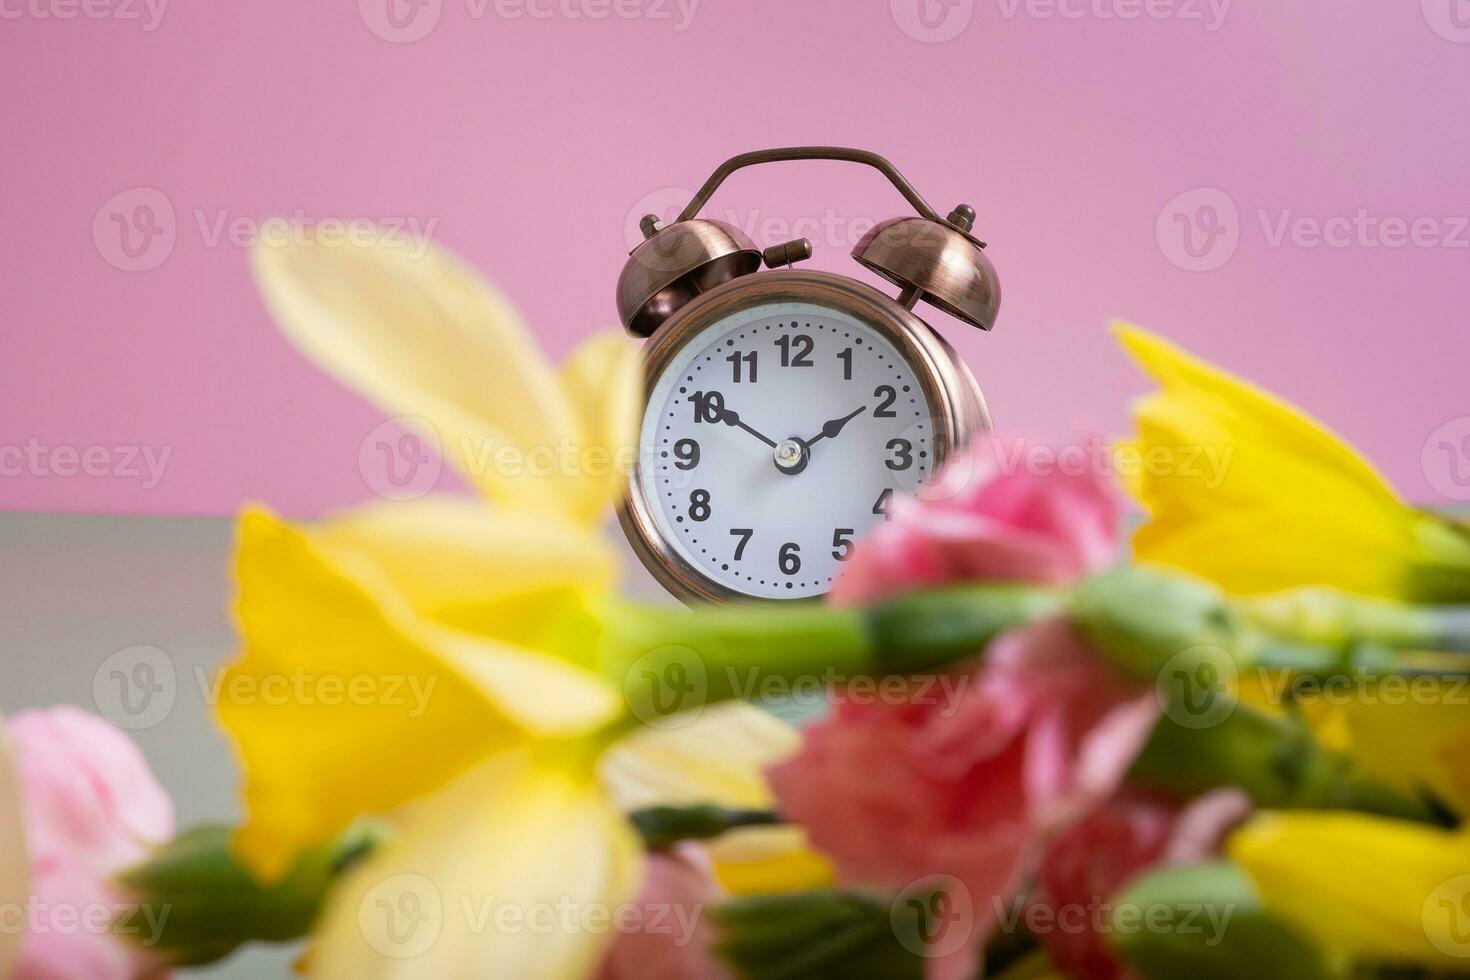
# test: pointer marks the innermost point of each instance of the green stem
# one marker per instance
(1330, 617)
(670, 660)
(663, 826)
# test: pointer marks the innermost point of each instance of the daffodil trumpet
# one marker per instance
(1292, 504)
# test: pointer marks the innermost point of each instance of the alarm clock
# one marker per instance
(785, 408)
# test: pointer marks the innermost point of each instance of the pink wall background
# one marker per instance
(529, 142)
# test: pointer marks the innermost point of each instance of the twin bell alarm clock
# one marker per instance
(785, 408)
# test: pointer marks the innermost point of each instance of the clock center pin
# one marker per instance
(791, 456)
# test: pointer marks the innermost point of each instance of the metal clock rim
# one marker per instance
(946, 383)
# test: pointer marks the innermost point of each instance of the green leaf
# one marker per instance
(205, 904)
(1206, 922)
(1274, 759)
(814, 935)
(663, 826)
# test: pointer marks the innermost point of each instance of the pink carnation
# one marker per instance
(989, 516)
(91, 807)
(1088, 865)
(971, 788)
(673, 938)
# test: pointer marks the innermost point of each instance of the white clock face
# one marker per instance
(775, 438)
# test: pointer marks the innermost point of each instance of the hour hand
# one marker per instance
(833, 428)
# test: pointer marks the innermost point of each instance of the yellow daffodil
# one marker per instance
(1413, 734)
(14, 864)
(651, 769)
(1372, 889)
(1368, 887)
(435, 660)
(1248, 491)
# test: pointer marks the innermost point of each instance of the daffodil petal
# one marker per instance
(346, 701)
(14, 863)
(511, 871)
(719, 756)
(424, 337)
(769, 861)
(446, 555)
(1415, 742)
(1250, 492)
(603, 377)
(1361, 885)
(1178, 370)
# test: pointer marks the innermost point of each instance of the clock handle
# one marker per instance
(784, 153)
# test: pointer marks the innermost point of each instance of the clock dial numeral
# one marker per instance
(686, 454)
(842, 543)
(743, 533)
(790, 558)
(699, 505)
(796, 350)
(845, 356)
(903, 454)
(880, 506)
(748, 360)
(885, 409)
(709, 406)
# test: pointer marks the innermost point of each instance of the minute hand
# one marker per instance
(834, 427)
(731, 417)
